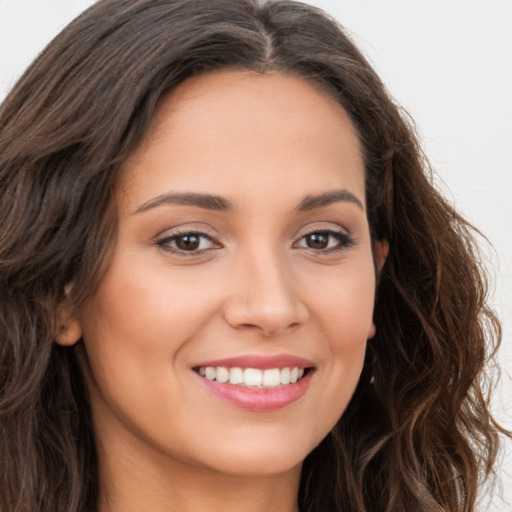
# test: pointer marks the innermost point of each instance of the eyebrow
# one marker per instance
(327, 198)
(221, 204)
(206, 201)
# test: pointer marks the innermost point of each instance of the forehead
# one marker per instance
(218, 130)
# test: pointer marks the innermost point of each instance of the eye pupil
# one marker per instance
(318, 240)
(188, 242)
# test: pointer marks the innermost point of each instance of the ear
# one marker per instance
(382, 247)
(380, 254)
(372, 331)
(70, 330)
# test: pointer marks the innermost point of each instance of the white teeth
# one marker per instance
(236, 376)
(210, 373)
(271, 378)
(222, 374)
(252, 377)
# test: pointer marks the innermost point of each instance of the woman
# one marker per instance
(227, 281)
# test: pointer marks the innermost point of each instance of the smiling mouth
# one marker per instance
(253, 377)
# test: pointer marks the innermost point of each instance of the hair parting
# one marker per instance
(418, 433)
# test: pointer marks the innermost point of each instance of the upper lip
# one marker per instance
(262, 362)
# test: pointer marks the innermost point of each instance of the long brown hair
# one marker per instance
(417, 435)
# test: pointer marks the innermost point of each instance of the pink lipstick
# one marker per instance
(255, 382)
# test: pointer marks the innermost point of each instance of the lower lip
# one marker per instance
(259, 399)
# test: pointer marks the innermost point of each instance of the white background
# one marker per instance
(449, 63)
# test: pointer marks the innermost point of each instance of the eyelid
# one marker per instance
(319, 227)
(322, 228)
(184, 230)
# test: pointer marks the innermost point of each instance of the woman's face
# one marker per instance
(243, 262)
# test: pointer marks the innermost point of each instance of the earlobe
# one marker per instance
(69, 331)
(372, 331)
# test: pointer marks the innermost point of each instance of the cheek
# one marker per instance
(345, 304)
(344, 313)
(134, 328)
(147, 309)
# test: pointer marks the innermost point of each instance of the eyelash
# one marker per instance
(344, 240)
(164, 243)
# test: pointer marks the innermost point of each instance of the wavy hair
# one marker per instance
(417, 434)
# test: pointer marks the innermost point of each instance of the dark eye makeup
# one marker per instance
(325, 240)
(194, 243)
(188, 243)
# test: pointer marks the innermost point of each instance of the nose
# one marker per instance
(264, 297)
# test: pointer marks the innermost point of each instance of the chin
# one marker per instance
(260, 455)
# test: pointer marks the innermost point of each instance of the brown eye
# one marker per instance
(325, 241)
(189, 242)
(317, 240)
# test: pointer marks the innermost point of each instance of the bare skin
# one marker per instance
(242, 233)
